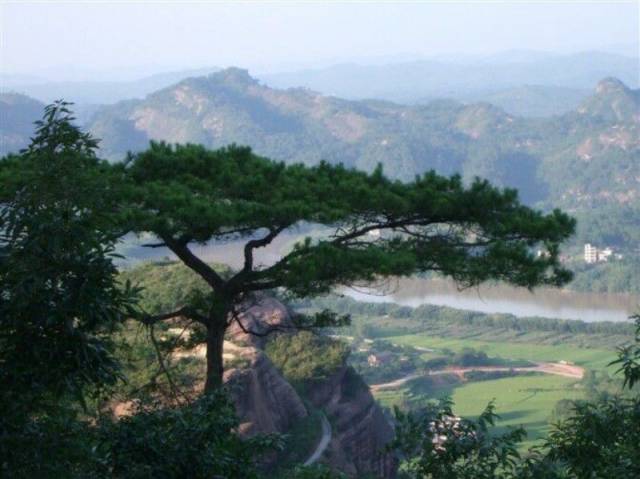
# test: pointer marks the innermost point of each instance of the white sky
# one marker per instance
(86, 39)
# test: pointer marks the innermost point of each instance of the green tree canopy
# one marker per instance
(59, 295)
(188, 194)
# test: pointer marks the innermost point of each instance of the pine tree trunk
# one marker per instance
(215, 345)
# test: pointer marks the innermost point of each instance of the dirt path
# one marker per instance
(557, 369)
(323, 444)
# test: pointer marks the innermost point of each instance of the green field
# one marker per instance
(527, 400)
(589, 358)
(520, 400)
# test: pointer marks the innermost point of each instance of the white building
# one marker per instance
(595, 255)
(590, 254)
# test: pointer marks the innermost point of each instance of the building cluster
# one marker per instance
(593, 254)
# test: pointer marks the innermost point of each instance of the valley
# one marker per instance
(527, 396)
(530, 368)
(320, 240)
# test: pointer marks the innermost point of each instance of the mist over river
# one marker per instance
(543, 302)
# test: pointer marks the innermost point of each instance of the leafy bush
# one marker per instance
(470, 357)
(306, 356)
(194, 441)
(167, 286)
(53, 446)
(437, 444)
(599, 439)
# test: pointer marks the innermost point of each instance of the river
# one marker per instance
(543, 302)
(549, 303)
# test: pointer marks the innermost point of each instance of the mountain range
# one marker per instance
(583, 160)
(476, 78)
(523, 83)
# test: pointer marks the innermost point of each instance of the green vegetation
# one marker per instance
(186, 195)
(62, 312)
(189, 441)
(383, 320)
(441, 337)
(65, 344)
(306, 357)
(617, 276)
(596, 438)
(298, 443)
(437, 444)
(59, 296)
(522, 400)
(591, 358)
(166, 285)
(582, 160)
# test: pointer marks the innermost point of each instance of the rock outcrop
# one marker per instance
(360, 430)
(267, 403)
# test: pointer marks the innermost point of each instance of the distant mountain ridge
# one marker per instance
(409, 82)
(299, 125)
(537, 101)
(17, 114)
(581, 160)
(95, 92)
(522, 82)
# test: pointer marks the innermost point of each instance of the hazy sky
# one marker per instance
(74, 39)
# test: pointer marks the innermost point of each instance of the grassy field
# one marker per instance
(526, 400)
(589, 358)
(521, 400)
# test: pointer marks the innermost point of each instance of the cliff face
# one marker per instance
(267, 403)
(360, 430)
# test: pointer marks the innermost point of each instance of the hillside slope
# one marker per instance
(585, 161)
(577, 160)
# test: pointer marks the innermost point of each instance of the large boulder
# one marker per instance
(267, 403)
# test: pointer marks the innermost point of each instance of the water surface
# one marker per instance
(543, 302)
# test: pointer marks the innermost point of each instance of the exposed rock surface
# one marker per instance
(266, 402)
(269, 315)
(360, 430)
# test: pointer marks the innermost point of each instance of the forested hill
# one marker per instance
(583, 160)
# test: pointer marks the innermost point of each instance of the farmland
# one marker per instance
(523, 399)
(587, 357)
(526, 400)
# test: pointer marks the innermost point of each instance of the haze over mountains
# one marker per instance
(94, 92)
(475, 78)
(525, 83)
(583, 158)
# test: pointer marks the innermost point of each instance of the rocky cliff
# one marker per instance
(266, 402)
(360, 430)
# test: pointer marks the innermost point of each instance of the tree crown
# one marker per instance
(472, 233)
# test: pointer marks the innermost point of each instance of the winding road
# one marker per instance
(322, 444)
(558, 369)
